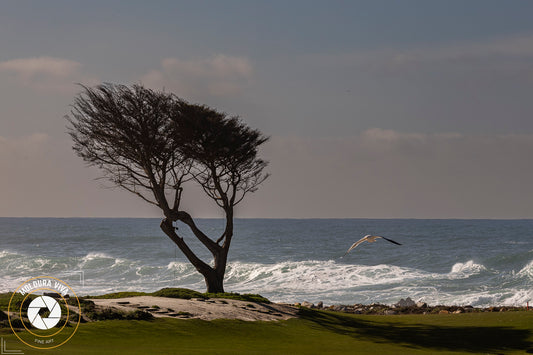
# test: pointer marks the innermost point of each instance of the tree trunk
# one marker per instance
(214, 282)
(214, 276)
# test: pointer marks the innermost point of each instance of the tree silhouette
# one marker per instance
(153, 143)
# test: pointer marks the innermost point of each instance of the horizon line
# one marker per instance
(286, 218)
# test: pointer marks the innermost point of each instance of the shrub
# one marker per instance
(15, 323)
(247, 297)
(119, 295)
(139, 315)
(183, 293)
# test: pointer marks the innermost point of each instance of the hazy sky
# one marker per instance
(377, 109)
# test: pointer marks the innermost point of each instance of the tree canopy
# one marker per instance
(152, 143)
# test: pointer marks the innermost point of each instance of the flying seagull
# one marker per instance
(371, 239)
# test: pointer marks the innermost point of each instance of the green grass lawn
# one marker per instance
(316, 332)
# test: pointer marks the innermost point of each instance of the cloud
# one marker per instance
(220, 75)
(495, 53)
(30, 67)
(46, 73)
(379, 173)
(390, 136)
(390, 174)
(512, 50)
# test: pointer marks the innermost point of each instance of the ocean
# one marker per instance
(453, 262)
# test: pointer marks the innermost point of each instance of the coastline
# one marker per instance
(220, 308)
(408, 306)
(189, 304)
(201, 325)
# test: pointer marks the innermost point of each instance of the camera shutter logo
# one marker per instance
(44, 302)
(44, 312)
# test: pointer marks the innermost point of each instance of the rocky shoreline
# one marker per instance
(407, 306)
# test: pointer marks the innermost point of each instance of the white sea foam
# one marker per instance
(466, 270)
(491, 297)
(287, 281)
(527, 271)
(317, 275)
(4, 253)
(93, 256)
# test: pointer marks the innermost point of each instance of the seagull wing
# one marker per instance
(390, 240)
(355, 245)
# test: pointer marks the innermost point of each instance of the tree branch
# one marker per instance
(204, 239)
(166, 226)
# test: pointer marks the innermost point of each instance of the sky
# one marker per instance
(374, 109)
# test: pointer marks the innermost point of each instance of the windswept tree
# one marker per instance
(153, 143)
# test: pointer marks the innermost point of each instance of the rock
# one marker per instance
(390, 312)
(408, 302)
(3, 316)
(339, 308)
(459, 311)
(422, 305)
(468, 308)
(307, 304)
(443, 311)
(198, 299)
(320, 305)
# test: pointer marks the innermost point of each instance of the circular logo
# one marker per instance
(44, 312)
(44, 302)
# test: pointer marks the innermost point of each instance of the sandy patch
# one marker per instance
(209, 309)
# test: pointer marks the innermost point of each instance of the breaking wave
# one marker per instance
(289, 281)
